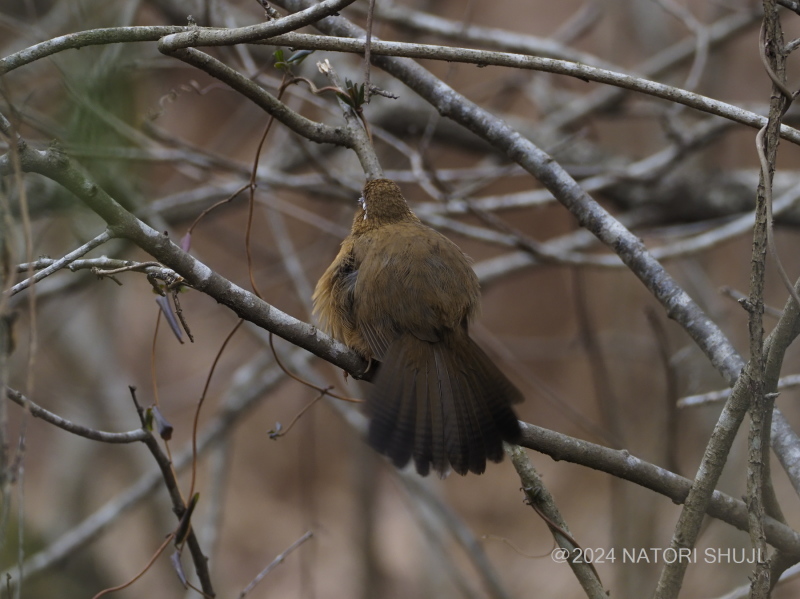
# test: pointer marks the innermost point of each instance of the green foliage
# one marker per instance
(354, 96)
(297, 58)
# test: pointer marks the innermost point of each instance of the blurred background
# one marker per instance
(592, 351)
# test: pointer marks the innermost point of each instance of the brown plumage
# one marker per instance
(403, 294)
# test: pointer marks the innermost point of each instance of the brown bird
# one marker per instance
(401, 293)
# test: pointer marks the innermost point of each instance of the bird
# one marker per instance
(402, 295)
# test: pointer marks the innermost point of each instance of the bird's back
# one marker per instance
(404, 294)
(411, 279)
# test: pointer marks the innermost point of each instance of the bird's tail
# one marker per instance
(444, 404)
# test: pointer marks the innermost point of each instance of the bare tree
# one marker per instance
(218, 149)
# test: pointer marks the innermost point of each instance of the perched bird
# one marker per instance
(404, 295)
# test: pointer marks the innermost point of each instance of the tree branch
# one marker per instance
(55, 165)
(483, 58)
(590, 215)
(76, 429)
(622, 464)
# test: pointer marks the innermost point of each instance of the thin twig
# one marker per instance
(787, 382)
(569, 69)
(540, 499)
(196, 421)
(240, 402)
(142, 572)
(166, 466)
(275, 563)
(367, 50)
(62, 262)
(76, 429)
(281, 431)
(302, 381)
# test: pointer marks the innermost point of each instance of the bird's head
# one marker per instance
(381, 204)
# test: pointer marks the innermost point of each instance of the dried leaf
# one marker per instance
(175, 558)
(164, 427)
(166, 309)
(299, 56)
(185, 526)
(276, 432)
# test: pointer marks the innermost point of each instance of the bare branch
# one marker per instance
(483, 58)
(589, 214)
(76, 429)
(253, 33)
(57, 166)
(62, 262)
(622, 464)
(539, 498)
(275, 563)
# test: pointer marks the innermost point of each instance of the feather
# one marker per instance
(423, 429)
(475, 420)
(401, 445)
(383, 407)
(443, 404)
(401, 293)
(377, 338)
(454, 441)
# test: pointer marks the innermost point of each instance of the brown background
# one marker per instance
(94, 337)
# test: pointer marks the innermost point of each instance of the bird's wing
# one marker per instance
(334, 295)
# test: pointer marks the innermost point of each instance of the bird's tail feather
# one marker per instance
(444, 404)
